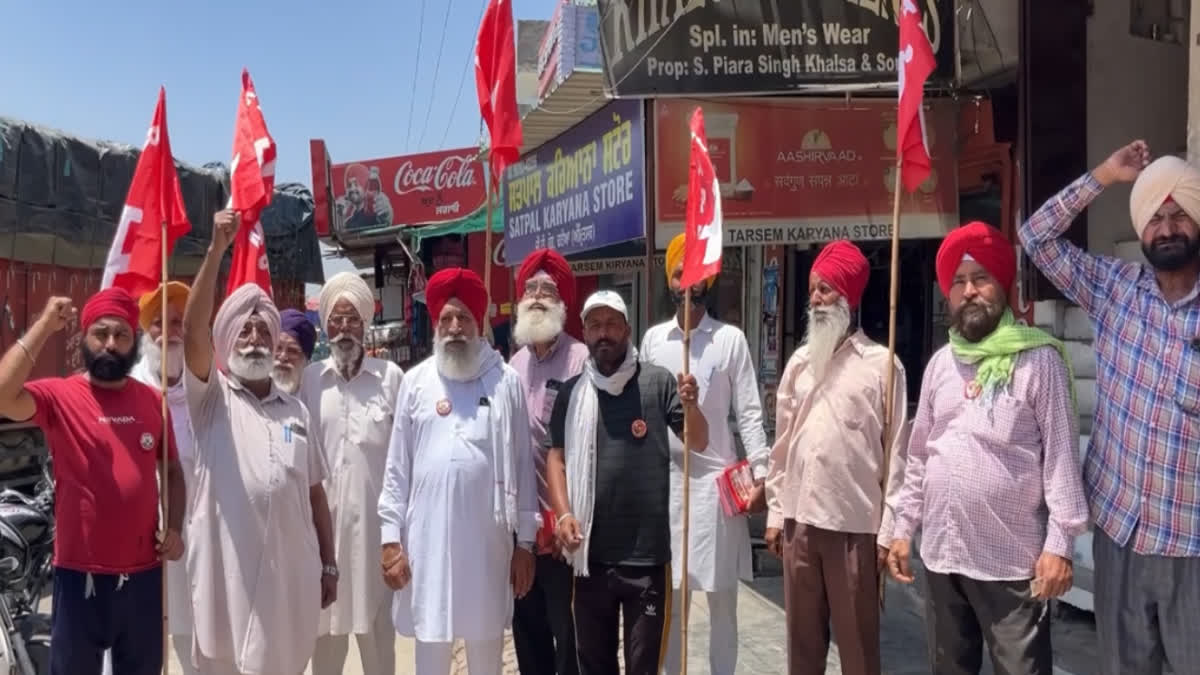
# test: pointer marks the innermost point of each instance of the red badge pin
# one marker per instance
(639, 428)
(972, 390)
(443, 407)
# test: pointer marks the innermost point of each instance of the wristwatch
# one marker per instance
(527, 545)
(329, 571)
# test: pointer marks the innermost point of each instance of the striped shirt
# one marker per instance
(1142, 468)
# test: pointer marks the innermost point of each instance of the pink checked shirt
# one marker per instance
(993, 484)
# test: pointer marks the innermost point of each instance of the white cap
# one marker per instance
(610, 299)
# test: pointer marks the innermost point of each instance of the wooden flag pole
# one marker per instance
(889, 415)
(164, 503)
(687, 489)
(486, 329)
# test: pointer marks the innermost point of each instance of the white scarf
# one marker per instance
(490, 371)
(583, 418)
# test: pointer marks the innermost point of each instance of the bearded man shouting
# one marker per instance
(351, 396)
(543, 632)
(459, 502)
(993, 475)
(826, 516)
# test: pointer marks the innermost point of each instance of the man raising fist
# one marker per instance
(107, 569)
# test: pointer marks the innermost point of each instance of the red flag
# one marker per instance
(135, 259)
(703, 237)
(496, 84)
(916, 63)
(251, 183)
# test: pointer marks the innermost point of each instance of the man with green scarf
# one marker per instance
(993, 477)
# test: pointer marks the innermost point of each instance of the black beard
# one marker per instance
(608, 361)
(1171, 253)
(698, 297)
(976, 324)
(107, 366)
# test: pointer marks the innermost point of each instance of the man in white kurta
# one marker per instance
(350, 397)
(261, 554)
(719, 553)
(459, 489)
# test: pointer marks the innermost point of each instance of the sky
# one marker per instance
(365, 77)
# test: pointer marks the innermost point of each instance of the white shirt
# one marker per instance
(719, 552)
(179, 595)
(253, 559)
(353, 421)
(438, 502)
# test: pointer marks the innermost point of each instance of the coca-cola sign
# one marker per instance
(430, 188)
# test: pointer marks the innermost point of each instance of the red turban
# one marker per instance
(456, 282)
(114, 302)
(986, 246)
(841, 265)
(551, 262)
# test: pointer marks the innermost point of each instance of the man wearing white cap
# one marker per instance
(1141, 470)
(350, 397)
(608, 470)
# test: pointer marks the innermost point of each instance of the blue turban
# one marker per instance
(296, 324)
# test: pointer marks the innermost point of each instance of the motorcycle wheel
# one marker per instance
(38, 648)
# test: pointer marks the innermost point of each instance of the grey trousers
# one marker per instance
(963, 614)
(1147, 610)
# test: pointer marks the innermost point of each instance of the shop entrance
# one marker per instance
(918, 304)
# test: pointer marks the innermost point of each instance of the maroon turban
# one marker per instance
(841, 265)
(986, 246)
(456, 282)
(114, 302)
(551, 262)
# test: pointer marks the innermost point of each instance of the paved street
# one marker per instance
(762, 648)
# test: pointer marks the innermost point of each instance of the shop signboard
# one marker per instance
(581, 191)
(805, 171)
(425, 189)
(571, 42)
(662, 48)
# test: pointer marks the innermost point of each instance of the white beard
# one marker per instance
(458, 361)
(153, 354)
(539, 326)
(346, 357)
(286, 378)
(827, 327)
(254, 365)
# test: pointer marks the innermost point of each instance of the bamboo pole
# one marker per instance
(164, 502)
(889, 414)
(486, 329)
(687, 489)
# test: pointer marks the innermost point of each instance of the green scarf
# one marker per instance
(997, 353)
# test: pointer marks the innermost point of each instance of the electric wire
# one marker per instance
(416, 71)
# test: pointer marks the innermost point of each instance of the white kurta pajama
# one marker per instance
(253, 559)
(719, 552)
(353, 420)
(458, 486)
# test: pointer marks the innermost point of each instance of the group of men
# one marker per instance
(547, 492)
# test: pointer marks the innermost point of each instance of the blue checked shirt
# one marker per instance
(1142, 469)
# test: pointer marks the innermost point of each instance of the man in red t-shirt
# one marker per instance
(106, 435)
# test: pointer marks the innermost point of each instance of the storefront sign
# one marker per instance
(425, 189)
(656, 47)
(571, 42)
(805, 171)
(599, 266)
(581, 191)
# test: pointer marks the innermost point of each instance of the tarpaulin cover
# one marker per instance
(61, 196)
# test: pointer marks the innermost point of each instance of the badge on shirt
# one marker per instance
(443, 407)
(638, 428)
(147, 441)
(972, 390)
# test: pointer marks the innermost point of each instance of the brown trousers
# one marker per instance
(830, 576)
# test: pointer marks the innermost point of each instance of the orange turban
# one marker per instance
(551, 262)
(842, 265)
(150, 304)
(986, 246)
(456, 282)
(675, 256)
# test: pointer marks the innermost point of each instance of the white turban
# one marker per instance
(351, 287)
(247, 300)
(1167, 176)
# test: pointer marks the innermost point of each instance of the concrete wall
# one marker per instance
(1137, 88)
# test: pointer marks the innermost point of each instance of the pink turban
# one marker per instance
(842, 265)
(986, 246)
(247, 300)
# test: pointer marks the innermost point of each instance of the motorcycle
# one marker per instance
(26, 554)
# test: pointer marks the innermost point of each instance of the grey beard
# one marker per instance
(459, 363)
(537, 326)
(154, 357)
(286, 379)
(346, 358)
(250, 368)
(826, 328)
